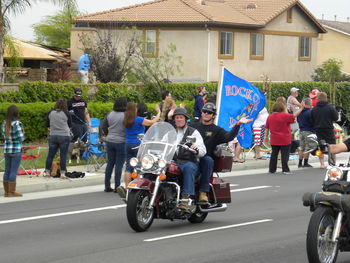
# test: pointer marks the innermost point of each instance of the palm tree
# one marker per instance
(16, 7)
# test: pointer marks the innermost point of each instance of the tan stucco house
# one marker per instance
(335, 44)
(277, 38)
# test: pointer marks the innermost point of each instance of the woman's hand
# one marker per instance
(245, 120)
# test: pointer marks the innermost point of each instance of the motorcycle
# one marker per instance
(156, 186)
(329, 227)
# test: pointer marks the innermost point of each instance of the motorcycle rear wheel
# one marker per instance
(197, 217)
(320, 248)
(140, 217)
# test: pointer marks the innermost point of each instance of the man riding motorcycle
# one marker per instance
(186, 158)
(213, 135)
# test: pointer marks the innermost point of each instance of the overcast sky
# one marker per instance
(21, 25)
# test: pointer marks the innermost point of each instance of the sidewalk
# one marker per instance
(27, 184)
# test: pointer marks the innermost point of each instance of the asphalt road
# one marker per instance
(265, 222)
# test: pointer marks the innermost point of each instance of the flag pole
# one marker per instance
(219, 90)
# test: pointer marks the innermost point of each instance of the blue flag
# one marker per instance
(238, 98)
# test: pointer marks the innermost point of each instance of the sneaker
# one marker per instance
(109, 189)
(121, 191)
(308, 165)
(287, 173)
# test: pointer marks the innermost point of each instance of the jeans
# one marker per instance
(206, 167)
(189, 173)
(79, 130)
(130, 152)
(116, 159)
(285, 149)
(57, 142)
(12, 162)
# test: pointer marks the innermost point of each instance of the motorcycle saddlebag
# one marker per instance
(222, 191)
(223, 159)
(223, 163)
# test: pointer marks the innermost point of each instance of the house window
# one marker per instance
(289, 16)
(151, 43)
(256, 46)
(305, 48)
(226, 45)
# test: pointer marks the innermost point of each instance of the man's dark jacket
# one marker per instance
(214, 135)
(323, 115)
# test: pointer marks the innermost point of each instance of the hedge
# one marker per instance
(33, 115)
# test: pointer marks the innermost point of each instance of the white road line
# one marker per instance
(60, 214)
(250, 188)
(208, 230)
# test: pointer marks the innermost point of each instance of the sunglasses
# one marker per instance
(207, 112)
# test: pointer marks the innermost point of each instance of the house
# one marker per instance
(335, 44)
(252, 38)
(38, 60)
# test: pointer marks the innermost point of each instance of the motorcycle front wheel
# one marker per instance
(319, 245)
(140, 217)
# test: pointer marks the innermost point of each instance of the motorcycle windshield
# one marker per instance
(159, 141)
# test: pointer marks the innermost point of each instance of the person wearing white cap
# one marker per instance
(292, 103)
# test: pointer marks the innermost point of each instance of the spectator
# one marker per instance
(134, 125)
(59, 123)
(278, 124)
(115, 141)
(84, 67)
(313, 96)
(323, 115)
(168, 109)
(259, 132)
(80, 116)
(292, 103)
(212, 98)
(165, 95)
(13, 133)
(282, 100)
(306, 128)
(199, 102)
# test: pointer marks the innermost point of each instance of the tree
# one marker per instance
(330, 71)
(16, 7)
(55, 30)
(110, 53)
(157, 70)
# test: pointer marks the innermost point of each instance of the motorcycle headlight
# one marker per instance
(161, 163)
(334, 174)
(133, 162)
(147, 162)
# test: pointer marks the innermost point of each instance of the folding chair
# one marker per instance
(29, 159)
(95, 154)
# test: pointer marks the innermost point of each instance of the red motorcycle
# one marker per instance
(155, 190)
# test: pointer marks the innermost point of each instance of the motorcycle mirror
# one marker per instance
(140, 136)
(190, 139)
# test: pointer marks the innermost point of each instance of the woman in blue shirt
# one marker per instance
(134, 125)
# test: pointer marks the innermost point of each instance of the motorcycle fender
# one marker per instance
(141, 183)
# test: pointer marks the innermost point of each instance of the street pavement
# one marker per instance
(265, 223)
(30, 184)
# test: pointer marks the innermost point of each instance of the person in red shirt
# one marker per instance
(278, 125)
(313, 96)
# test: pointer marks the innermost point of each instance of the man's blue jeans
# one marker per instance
(206, 167)
(189, 173)
(12, 162)
(116, 158)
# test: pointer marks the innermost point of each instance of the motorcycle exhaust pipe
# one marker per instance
(217, 208)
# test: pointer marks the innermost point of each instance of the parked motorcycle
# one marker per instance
(155, 190)
(329, 227)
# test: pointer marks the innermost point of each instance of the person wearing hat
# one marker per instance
(313, 96)
(292, 103)
(187, 160)
(80, 116)
(213, 135)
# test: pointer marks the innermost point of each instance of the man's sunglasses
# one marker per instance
(207, 112)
